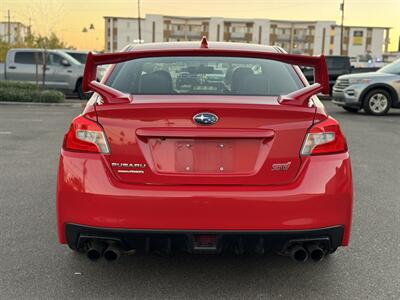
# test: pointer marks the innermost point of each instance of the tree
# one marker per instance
(50, 42)
(34, 41)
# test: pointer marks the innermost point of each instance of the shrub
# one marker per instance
(14, 91)
(18, 85)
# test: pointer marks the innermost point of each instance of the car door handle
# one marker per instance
(12, 67)
(69, 71)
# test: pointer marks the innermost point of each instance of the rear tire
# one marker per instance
(351, 109)
(79, 91)
(377, 102)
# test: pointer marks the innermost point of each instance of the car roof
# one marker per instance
(197, 45)
(35, 49)
(336, 56)
(74, 51)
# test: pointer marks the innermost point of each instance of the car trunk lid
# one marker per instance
(155, 140)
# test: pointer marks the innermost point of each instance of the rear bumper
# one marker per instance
(89, 195)
(185, 240)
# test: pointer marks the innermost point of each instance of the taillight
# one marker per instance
(85, 135)
(324, 138)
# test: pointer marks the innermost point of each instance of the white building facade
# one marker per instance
(303, 37)
(13, 32)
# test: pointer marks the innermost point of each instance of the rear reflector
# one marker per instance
(85, 136)
(324, 138)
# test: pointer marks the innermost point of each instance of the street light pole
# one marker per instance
(341, 27)
(9, 27)
(92, 34)
(139, 25)
(84, 31)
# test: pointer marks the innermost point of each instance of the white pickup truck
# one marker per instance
(63, 72)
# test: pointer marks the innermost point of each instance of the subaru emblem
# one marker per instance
(205, 118)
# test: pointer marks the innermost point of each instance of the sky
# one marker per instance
(67, 18)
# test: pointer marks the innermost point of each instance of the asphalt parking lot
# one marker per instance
(34, 265)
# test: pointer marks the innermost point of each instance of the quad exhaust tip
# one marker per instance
(313, 251)
(298, 253)
(109, 250)
(113, 252)
(316, 252)
(95, 249)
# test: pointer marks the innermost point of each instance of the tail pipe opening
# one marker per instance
(113, 252)
(316, 253)
(298, 253)
(95, 249)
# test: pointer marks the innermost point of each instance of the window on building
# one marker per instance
(166, 26)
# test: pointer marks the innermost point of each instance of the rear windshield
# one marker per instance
(204, 76)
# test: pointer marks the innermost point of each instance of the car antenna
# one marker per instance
(204, 42)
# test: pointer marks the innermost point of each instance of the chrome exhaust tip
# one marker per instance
(95, 249)
(298, 253)
(113, 252)
(316, 253)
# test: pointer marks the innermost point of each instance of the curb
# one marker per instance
(43, 104)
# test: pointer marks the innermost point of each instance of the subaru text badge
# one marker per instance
(205, 118)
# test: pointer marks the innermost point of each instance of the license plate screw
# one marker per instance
(188, 145)
(187, 168)
(221, 168)
(221, 145)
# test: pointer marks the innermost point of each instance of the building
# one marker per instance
(13, 32)
(358, 40)
(303, 37)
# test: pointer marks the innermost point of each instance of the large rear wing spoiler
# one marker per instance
(317, 62)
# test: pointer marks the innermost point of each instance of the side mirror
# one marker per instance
(65, 63)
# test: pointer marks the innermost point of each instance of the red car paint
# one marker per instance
(162, 170)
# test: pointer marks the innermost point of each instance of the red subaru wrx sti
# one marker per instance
(204, 148)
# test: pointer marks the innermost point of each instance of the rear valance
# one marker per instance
(94, 60)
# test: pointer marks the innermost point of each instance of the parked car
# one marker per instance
(375, 92)
(63, 72)
(81, 56)
(256, 166)
(337, 65)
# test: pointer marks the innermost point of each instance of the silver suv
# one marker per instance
(375, 92)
